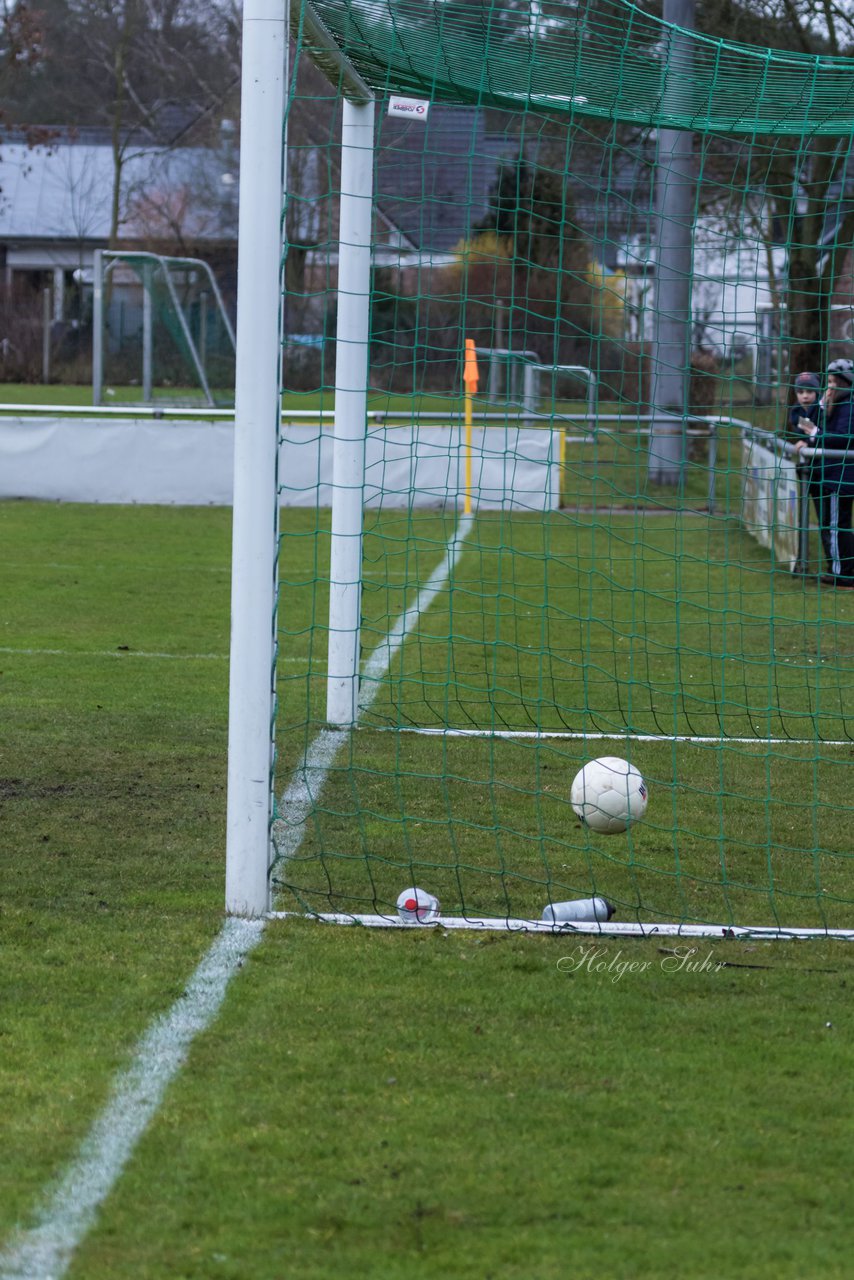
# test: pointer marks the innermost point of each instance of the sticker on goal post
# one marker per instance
(415, 107)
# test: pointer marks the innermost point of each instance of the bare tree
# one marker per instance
(152, 72)
(797, 191)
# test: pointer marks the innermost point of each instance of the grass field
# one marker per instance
(430, 1103)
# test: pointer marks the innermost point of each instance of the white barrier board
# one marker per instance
(190, 463)
(769, 501)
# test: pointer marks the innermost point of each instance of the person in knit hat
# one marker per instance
(804, 416)
(831, 480)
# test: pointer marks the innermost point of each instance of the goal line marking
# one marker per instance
(45, 1250)
(581, 736)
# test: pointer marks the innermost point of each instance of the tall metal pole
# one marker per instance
(675, 189)
(256, 433)
(351, 403)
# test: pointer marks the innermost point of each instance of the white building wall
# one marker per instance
(734, 279)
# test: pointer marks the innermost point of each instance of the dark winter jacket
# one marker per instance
(812, 411)
(836, 431)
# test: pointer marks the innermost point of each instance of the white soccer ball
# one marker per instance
(609, 795)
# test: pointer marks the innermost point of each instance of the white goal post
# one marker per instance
(352, 349)
(258, 390)
(256, 421)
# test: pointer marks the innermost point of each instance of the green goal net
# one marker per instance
(607, 546)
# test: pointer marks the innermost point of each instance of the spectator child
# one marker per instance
(832, 479)
(805, 415)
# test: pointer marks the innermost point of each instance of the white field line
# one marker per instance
(126, 654)
(114, 653)
(580, 735)
(99, 566)
(310, 776)
(44, 1251)
(381, 658)
(377, 581)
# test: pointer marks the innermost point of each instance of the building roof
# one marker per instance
(434, 177)
(433, 184)
(63, 191)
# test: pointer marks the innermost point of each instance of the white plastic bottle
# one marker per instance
(584, 910)
(417, 906)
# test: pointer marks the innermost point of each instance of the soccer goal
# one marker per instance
(443, 608)
(519, 378)
(161, 332)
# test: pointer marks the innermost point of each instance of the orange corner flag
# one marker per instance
(470, 374)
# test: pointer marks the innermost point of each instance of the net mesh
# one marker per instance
(610, 60)
(639, 574)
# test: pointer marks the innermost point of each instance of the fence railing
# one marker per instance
(800, 458)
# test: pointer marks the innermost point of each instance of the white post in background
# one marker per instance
(256, 431)
(58, 294)
(46, 314)
(147, 334)
(97, 325)
(351, 406)
(203, 329)
(530, 392)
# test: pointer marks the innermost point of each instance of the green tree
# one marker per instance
(533, 208)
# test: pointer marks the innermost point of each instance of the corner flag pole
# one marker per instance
(470, 377)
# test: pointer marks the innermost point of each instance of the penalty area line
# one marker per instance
(44, 1251)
